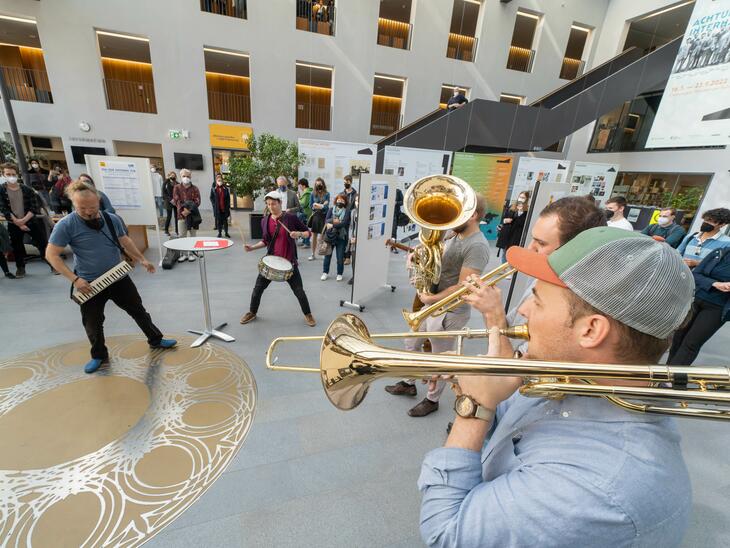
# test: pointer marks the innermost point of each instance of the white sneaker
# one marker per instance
(324, 276)
(310, 258)
(339, 277)
(191, 257)
(182, 259)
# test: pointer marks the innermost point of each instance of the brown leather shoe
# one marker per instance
(426, 407)
(401, 388)
(248, 317)
(310, 320)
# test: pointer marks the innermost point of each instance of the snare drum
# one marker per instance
(276, 269)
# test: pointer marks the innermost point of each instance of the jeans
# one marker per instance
(339, 248)
(303, 217)
(17, 237)
(171, 214)
(295, 283)
(124, 294)
(687, 342)
(160, 204)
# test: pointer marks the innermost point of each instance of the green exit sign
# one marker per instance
(175, 134)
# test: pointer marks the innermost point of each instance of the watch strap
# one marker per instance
(483, 413)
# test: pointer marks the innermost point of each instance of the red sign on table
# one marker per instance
(211, 244)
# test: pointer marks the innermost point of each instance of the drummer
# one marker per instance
(280, 230)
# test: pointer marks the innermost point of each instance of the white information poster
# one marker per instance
(121, 184)
(695, 108)
(531, 170)
(594, 179)
(332, 160)
(409, 165)
(375, 217)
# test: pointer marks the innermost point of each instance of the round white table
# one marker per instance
(200, 246)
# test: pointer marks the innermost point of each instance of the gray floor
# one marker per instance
(309, 475)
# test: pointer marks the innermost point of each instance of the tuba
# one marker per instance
(436, 203)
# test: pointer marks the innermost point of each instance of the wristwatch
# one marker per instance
(466, 407)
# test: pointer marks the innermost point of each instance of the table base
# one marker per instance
(205, 335)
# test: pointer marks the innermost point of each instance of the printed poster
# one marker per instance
(332, 160)
(594, 179)
(121, 184)
(531, 170)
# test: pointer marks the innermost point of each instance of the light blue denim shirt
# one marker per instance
(577, 472)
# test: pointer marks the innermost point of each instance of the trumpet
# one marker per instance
(450, 302)
(350, 362)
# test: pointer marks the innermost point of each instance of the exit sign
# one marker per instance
(175, 134)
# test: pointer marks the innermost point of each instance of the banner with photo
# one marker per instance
(594, 179)
(695, 107)
(530, 170)
(489, 175)
(332, 160)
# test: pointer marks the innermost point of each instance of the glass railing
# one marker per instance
(313, 116)
(316, 16)
(232, 107)
(231, 8)
(461, 47)
(394, 34)
(130, 96)
(385, 123)
(571, 68)
(27, 85)
(520, 59)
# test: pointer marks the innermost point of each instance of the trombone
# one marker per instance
(350, 362)
(450, 302)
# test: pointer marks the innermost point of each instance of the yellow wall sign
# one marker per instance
(655, 217)
(228, 136)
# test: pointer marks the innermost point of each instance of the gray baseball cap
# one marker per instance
(628, 276)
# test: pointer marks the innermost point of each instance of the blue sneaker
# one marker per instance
(92, 365)
(164, 344)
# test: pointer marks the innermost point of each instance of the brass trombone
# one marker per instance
(450, 302)
(350, 362)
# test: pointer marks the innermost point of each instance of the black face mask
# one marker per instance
(707, 227)
(609, 214)
(348, 185)
(94, 224)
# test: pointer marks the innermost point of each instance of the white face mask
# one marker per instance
(12, 179)
(153, 169)
(520, 200)
(186, 180)
(34, 166)
(664, 221)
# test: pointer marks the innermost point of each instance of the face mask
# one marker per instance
(609, 214)
(219, 183)
(94, 224)
(348, 185)
(319, 187)
(12, 180)
(340, 204)
(34, 166)
(186, 180)
(664, 221)
(706, 227)
(153, 170)
(520, 200)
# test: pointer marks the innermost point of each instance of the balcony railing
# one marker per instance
(394, 34)
(232, 107)
(27, 85)
(385, 123)
(316, 17)
(130, 96)
(313, 116)
(461, 47)
(571, 69)
(520, 59)
(232, 8)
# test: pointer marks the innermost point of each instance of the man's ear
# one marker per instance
(592, 331)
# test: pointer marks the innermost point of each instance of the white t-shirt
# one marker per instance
(621, 223)
(157, 184)
(284, 204)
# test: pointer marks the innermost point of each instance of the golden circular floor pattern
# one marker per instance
(111, 458)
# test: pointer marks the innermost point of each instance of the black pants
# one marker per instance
(125, 295)
(295, 282)
(221, 223)
(4, 263)
(687, 342)
(37, 235)
(171, 214)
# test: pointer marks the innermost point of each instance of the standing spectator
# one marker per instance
(105, 203)
(53, 176)
(457, 100)
(615, 208)
(22, 207)
(337, 227)
(58, 192)
(350, 193)
(157, 190)
(396, 215)
(698, 245)
(220, 198)
(319, 203)
(4, 248)
(305, 197)
(666, 228)
(513, 224)
(289, 198)
(185, 192)
(710, 309)
(167, 189)
(38, 180)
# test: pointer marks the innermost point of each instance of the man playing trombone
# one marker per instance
(575, 471)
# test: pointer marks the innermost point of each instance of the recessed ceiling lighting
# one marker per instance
(313, 66)
(127, 36)
(224, 52)
(530, 15)
(18, 19)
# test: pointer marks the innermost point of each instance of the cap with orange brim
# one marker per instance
(533, 264)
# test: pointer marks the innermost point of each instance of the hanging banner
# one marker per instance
(594, 179)
(695, 107)
(489, 175)
(409, 165)
(531, 170)
(332, 160)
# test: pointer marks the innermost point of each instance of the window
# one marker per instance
(394, 24)
(126, 62)
(313, 96)
(447, 92)
(22, 61)
(387, 107)
(509, 98)
(661, 27)
(521, 52)
(316, 16)
(231, 8)
(573, 62)
(462, 43)
(229, 85)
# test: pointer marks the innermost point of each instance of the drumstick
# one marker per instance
(284, 227)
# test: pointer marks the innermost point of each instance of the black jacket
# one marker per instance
(31, 201)
(167, 187)
(226, 211)
(193, 220)
(511, 233)
(714, 268)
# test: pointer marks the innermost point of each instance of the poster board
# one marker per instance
(409, 165)
(594, 179)
(374, 222)
(490, 176)
(332, 160)
(695, 108)
(531, 170)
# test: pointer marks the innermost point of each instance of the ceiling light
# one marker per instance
(211, 50)
(18, 19)
(582, 29)
(477, 2)
(17, 46)
(127, 36)
(390, 78)
(313, 66)
(508, 96)
(532, 16)
(665, 10)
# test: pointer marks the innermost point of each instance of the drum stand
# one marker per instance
(209, 331)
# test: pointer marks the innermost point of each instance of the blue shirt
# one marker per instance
(672, 234)
(94, 250)
(691, 248)
(577, 472)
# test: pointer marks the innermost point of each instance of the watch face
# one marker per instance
(464, 406)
